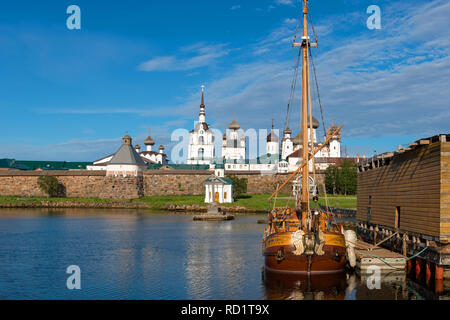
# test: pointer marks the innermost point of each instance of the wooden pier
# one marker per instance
(213, 217)
(368, 255)
(214, 214)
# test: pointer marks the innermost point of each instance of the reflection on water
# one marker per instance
(343, 286)
(302, 287)
(140, 254)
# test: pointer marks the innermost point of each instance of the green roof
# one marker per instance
(43, 165)
(179, 166)
(219, 180)
(6, 163)
(263, 159)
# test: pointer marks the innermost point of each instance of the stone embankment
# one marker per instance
(123, 205)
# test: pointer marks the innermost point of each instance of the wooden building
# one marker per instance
(406, 195)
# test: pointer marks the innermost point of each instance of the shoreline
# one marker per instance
(256, 203)
(124, 205)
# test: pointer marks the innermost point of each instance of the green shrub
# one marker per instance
(239, 185)
(49, 185)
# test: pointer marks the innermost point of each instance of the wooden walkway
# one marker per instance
(386, 260)
(213, 217)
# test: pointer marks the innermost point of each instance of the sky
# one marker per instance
(138, 66)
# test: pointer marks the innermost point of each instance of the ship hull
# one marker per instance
(333, 260)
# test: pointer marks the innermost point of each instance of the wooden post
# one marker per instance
(405, 245)
(418, 268)
(409, 264)
(439, 272)
(439, 286)
(428, 271)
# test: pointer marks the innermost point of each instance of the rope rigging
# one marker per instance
(292, 93)
(294, 80)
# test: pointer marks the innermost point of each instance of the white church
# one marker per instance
(291, 148)
(233, 143)
(287, 158)
(201, 139)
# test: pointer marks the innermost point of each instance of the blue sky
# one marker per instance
(72, 94)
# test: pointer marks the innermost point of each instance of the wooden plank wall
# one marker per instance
(411, 181)
(445, 192)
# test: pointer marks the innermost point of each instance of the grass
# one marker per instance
(161, 201)
(38, 200)
(258, 201)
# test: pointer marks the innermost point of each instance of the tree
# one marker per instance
(342, 179)
(331, 175)
(49, 185)
(239, 185)
(347, 178)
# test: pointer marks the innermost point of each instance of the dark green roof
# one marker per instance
(179, 166)
(43, 165)
(219, 180)
(263, 159)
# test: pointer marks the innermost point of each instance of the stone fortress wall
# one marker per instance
(95, 184)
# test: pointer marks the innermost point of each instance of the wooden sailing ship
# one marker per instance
(303, 240)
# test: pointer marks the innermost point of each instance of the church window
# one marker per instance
(201, 153)
(201, 140)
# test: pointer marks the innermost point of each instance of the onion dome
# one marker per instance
(149, 141)
(315, 123)
(298, 139)
(137, 147)
(224, 136)
(234, 125)
(287, 130)
(332, 129)
(161, 147)
(127, 140)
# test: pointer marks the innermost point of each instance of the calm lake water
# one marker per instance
(130, 254)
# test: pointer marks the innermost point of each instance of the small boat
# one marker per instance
(303, 240)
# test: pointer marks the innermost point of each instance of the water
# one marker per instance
(131, 254)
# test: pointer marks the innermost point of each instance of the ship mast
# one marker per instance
(306, 96)
(304, 123)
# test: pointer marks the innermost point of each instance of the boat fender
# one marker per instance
(297, 241)
(320, 243)
(350, 240)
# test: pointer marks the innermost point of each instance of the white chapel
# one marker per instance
(201, 139)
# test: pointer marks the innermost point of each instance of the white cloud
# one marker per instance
(235, 7)
(198, 56)
(389, 83)
(285, 2)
